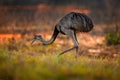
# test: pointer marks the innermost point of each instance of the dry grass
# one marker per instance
(21, 61)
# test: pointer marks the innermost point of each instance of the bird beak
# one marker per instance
(33, 41)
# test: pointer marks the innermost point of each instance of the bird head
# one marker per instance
(36, 37)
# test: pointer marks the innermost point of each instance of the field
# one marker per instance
(99, 50)
(19, 60)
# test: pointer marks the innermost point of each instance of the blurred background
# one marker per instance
(23, 18)
(23, 15)
(99, 49)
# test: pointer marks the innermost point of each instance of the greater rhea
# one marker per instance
(69, 25)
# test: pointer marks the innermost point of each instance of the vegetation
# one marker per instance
(113, 38)
(20, 61)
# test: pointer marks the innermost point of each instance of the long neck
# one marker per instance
(55, 33)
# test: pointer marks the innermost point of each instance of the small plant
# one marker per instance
(113, 38)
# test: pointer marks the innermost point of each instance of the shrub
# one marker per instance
(113, 38)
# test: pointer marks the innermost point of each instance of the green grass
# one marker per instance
(20, 61)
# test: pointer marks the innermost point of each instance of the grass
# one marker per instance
(20, 61)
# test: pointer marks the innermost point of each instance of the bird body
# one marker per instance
(76, 21)
(69, 25)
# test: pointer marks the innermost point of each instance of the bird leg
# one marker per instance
(72, 35)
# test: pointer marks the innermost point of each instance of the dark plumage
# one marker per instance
(69, 25)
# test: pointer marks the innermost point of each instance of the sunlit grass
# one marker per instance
(26, 62)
